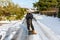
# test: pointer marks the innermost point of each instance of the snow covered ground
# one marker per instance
(53, 23)
(47, 28)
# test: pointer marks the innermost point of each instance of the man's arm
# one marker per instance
(23, 21)
(34, 18)
(24, 18)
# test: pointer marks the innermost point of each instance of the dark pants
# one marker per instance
(29, 24)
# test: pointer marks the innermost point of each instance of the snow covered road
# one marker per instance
(18, 31)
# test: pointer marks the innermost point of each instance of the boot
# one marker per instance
(34, 32)
(29, 31)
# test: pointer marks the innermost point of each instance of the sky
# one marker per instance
(25, 3)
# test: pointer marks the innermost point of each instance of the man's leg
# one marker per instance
(30, 22)
(32, 26)
(28, 25)
(33, 31)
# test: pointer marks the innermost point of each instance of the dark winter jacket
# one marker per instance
(29, 16)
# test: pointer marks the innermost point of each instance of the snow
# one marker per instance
(47, 28)
(51, 22)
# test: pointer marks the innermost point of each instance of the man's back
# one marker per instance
(29, 16)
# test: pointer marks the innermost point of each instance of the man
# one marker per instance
(29, 18)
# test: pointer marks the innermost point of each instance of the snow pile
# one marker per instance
(48, 32)
(8, 30)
